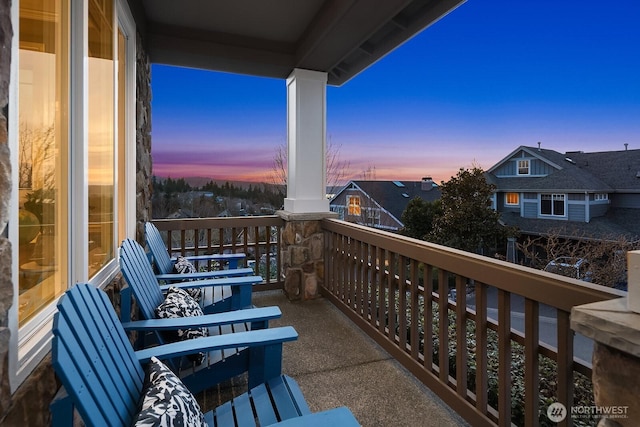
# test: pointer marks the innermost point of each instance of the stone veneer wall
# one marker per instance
(143, 140)
(29, 405)
(302, 258)
(6, 283)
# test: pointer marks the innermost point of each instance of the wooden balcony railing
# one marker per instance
(397, 290)
(491, 358)
(256, 236)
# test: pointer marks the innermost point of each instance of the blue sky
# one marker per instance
(488, 77)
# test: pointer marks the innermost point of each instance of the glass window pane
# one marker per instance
(354, 205)
(101, 147)
(42, 153)
(545, 204)
(558, 205)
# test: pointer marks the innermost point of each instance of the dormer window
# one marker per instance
(523, 167)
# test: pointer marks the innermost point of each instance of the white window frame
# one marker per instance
(506, 199)
(520, 164)
(31, 342)
(600, 197)
(554, 197)
(349, 197)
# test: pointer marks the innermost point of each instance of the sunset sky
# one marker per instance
(490, 76)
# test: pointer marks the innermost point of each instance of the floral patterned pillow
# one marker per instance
(166, 401)
(177, 304)
(184, 266)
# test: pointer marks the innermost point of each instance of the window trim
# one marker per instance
(553, 199)
(518, 167)
(506, 199)
(349, 206)
(29, 344)
(600, 197)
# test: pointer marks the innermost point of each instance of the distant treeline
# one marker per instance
(258, 193)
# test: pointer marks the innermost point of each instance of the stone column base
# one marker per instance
(616, 385)
(303, 254)
(616, 359)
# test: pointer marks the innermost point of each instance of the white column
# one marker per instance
(306, 136)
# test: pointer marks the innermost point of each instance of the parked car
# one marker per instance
(577, 268)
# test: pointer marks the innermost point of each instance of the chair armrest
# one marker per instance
(259, 338)
(214, 257)
(181, 277)
(226, 281)
(341, 416)
(228, 318)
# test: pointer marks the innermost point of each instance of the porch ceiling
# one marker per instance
(271, 38)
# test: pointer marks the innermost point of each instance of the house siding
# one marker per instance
(598, 209)
(538, 167)
(576, 212)
(507, 169)
(626, 201)
(530, 210)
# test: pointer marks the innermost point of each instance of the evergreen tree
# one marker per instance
(418, 217)
(468, 221)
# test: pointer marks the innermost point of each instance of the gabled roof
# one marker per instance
(550, 157)
(271, 38)
(394, 196)
(608, 171)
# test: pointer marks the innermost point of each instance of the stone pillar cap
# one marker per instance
(610, 323)
(308, 216)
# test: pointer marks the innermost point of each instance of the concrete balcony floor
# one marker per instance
(336, 364)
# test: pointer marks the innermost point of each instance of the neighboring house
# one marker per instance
(594, 195)
(380, 204)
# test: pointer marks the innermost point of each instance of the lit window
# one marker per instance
(47, 150)
(523, 167)
(552, 204)
(512, 198)
(101, 135)
(42, 151)
(353, 203)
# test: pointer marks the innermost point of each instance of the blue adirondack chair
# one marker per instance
(164, 263)
(220, 294)
(149, 296)
(103, 376)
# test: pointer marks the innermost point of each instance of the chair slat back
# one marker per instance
(94, 359)
(138, 273)
(158, 250)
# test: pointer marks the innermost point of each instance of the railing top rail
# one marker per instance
(556, 291)
(215, 222)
